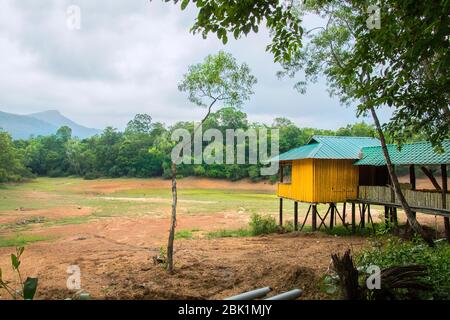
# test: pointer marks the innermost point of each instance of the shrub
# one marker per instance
(56, 173)
(258, 225)
(199, 171)
(274, 179)
(91, 176)
(254, 173)
(262, 225)
(396, 252)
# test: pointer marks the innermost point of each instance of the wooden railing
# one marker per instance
(424, 199)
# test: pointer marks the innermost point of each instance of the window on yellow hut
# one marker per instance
(286, 170)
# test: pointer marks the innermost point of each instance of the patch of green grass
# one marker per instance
(226, 233)
(21, 240)
(184, 234)
(258, 225)
(22, 225)
(212, 200)
(112, 208)
(67, 221)
(15, 228)
(339, 230)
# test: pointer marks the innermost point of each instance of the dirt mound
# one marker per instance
(216, 269)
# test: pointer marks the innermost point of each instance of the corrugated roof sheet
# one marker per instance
(329, 147)
(414, 153)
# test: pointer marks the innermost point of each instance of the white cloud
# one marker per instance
(128, 58)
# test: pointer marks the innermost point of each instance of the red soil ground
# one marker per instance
(115, 254)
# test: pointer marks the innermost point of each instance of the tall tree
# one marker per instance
(218, 79)
(374, 66)
(141, 124)
(11, 162)
(330, 52)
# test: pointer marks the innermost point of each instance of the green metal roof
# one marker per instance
(329, 147)
(421, 153)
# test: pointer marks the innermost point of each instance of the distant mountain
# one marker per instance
(41, 124)
(55, 118)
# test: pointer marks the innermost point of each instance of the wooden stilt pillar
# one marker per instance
(314, 217)
(332, 215)
(412, 181)
(412, 177)
(363, 216)
(393, 217)
(281, 211)
(386, 215)
(370, 218)
(444, 200)
(353, 218)
(306, 218)
(344, 213)
(296, 216)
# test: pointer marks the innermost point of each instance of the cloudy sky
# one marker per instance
(127, 58)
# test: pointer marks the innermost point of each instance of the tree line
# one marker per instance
(142, 150)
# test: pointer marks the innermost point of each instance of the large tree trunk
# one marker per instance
(173, 224)
(409, 214)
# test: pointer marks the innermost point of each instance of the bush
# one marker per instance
(91, 176)
(199, 171)
(56, 173)
(274, 179)
(263, 225)
(396, 252)
(254, 174)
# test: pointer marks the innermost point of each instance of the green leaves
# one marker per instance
(29, 288)
(219, 78)
(396, 252)
(222, 35)
(20, 251)
(12, 168)
(15, 262)
(184, 4)
(15, 258)
(400, 66)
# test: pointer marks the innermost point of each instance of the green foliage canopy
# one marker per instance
(219, 78)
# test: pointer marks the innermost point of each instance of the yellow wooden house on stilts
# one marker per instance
(321, 171)
(335, 169)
